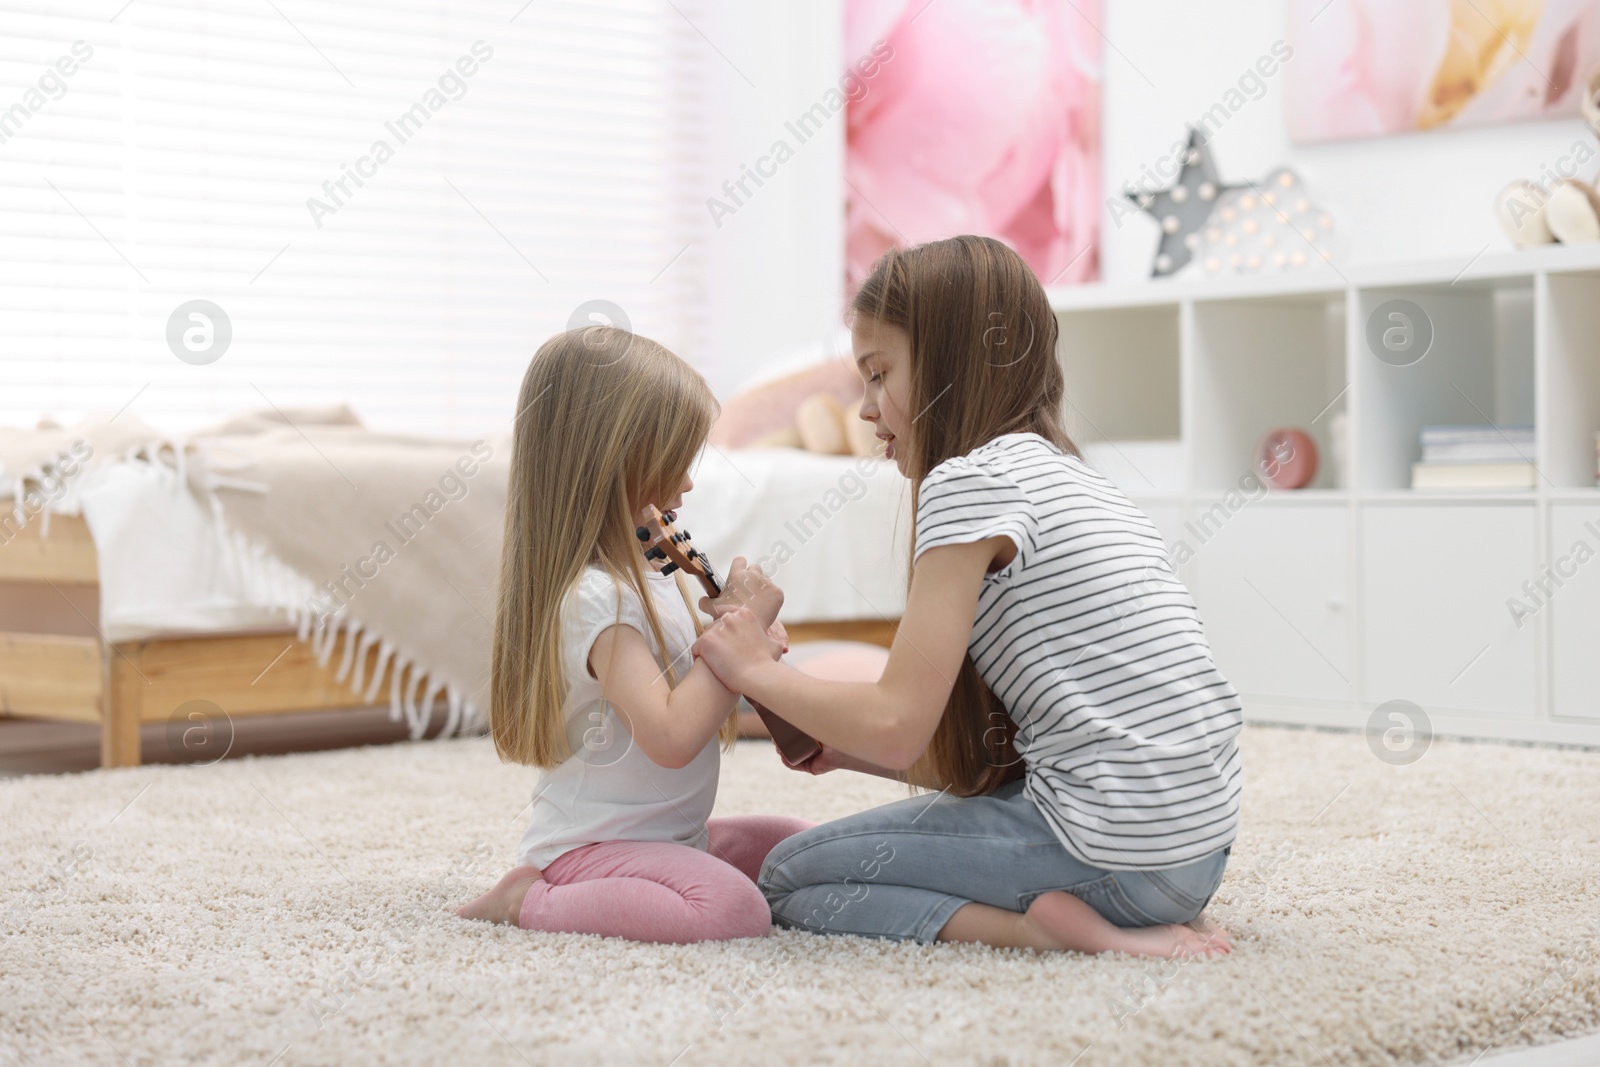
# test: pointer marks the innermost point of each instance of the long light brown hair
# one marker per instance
(983, 364)
(606, 420)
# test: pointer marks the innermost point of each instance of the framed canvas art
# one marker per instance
(1367, 68)
(980, 116)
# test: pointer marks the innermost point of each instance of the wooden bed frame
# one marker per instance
(66, 671)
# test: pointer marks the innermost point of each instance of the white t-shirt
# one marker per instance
(1096, 650)
(608, 789)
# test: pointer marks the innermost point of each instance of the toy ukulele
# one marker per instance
(667, 550)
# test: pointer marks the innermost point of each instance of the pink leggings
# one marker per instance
(654, 891)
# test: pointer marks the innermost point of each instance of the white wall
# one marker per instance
(1417, 196)
(775, 267)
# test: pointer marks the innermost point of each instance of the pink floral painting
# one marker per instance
(1364, 68)
(984, 118)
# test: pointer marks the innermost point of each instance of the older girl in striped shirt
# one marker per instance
(1050, 680)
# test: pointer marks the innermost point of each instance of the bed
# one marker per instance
(133, 601)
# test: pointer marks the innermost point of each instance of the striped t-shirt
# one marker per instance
(1129, 732)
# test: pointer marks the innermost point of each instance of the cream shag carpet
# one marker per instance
(297, 910)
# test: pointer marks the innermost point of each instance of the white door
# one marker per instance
(1574, 608)
(1436, 628)
(1270, 582)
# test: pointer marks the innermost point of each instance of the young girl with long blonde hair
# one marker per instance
(592, 680)
(1050, 676)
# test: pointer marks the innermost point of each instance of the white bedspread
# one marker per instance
(831, 529)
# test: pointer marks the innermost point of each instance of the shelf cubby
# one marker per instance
(1121, 369)
(1572, 379)
(1260, 365)
(1478, 369)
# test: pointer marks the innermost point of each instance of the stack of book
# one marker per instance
(1475, 457)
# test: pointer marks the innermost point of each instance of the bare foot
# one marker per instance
(1212, 931)
(1059, 920)
(503, 903)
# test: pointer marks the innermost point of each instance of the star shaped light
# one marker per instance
(1267, 228)
(1183, 209)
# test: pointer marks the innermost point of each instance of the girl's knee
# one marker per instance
(811, 855)
(791, 826)
(745, 915)
(772, 879)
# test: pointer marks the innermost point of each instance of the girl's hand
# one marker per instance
(746, 586)
(734, 644)
(824, 760)
(781, 636)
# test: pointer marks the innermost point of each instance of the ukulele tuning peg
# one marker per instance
(642, 533)
(669, 568)
(670, 516)
(655, 553)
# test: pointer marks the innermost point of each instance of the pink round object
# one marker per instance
(1287, 459)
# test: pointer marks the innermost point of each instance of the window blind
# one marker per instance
(392, 203)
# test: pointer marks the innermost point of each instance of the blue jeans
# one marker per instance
(900, 871)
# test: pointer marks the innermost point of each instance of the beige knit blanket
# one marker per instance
(366, 538)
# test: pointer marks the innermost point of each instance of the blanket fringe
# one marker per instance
(66, 502)
(274, 584)
(385, 653)
(430, 696)
(416, 718)
(368, 639)
(352, 631)
(453, 722)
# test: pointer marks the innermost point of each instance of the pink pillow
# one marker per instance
(839, 661)
(765, 409)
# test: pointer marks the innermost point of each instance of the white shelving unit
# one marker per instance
(1323, 603)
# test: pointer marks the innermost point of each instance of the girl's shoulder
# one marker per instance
(1000, 456)
(594, 578)
(597, 587)
(597, 590)
(598, 600)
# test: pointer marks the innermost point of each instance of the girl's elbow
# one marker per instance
(678, 757)
(667, 754)
(898, 759)
(902, 744)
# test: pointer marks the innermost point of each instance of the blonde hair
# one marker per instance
(983, 364)
(605, 419)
